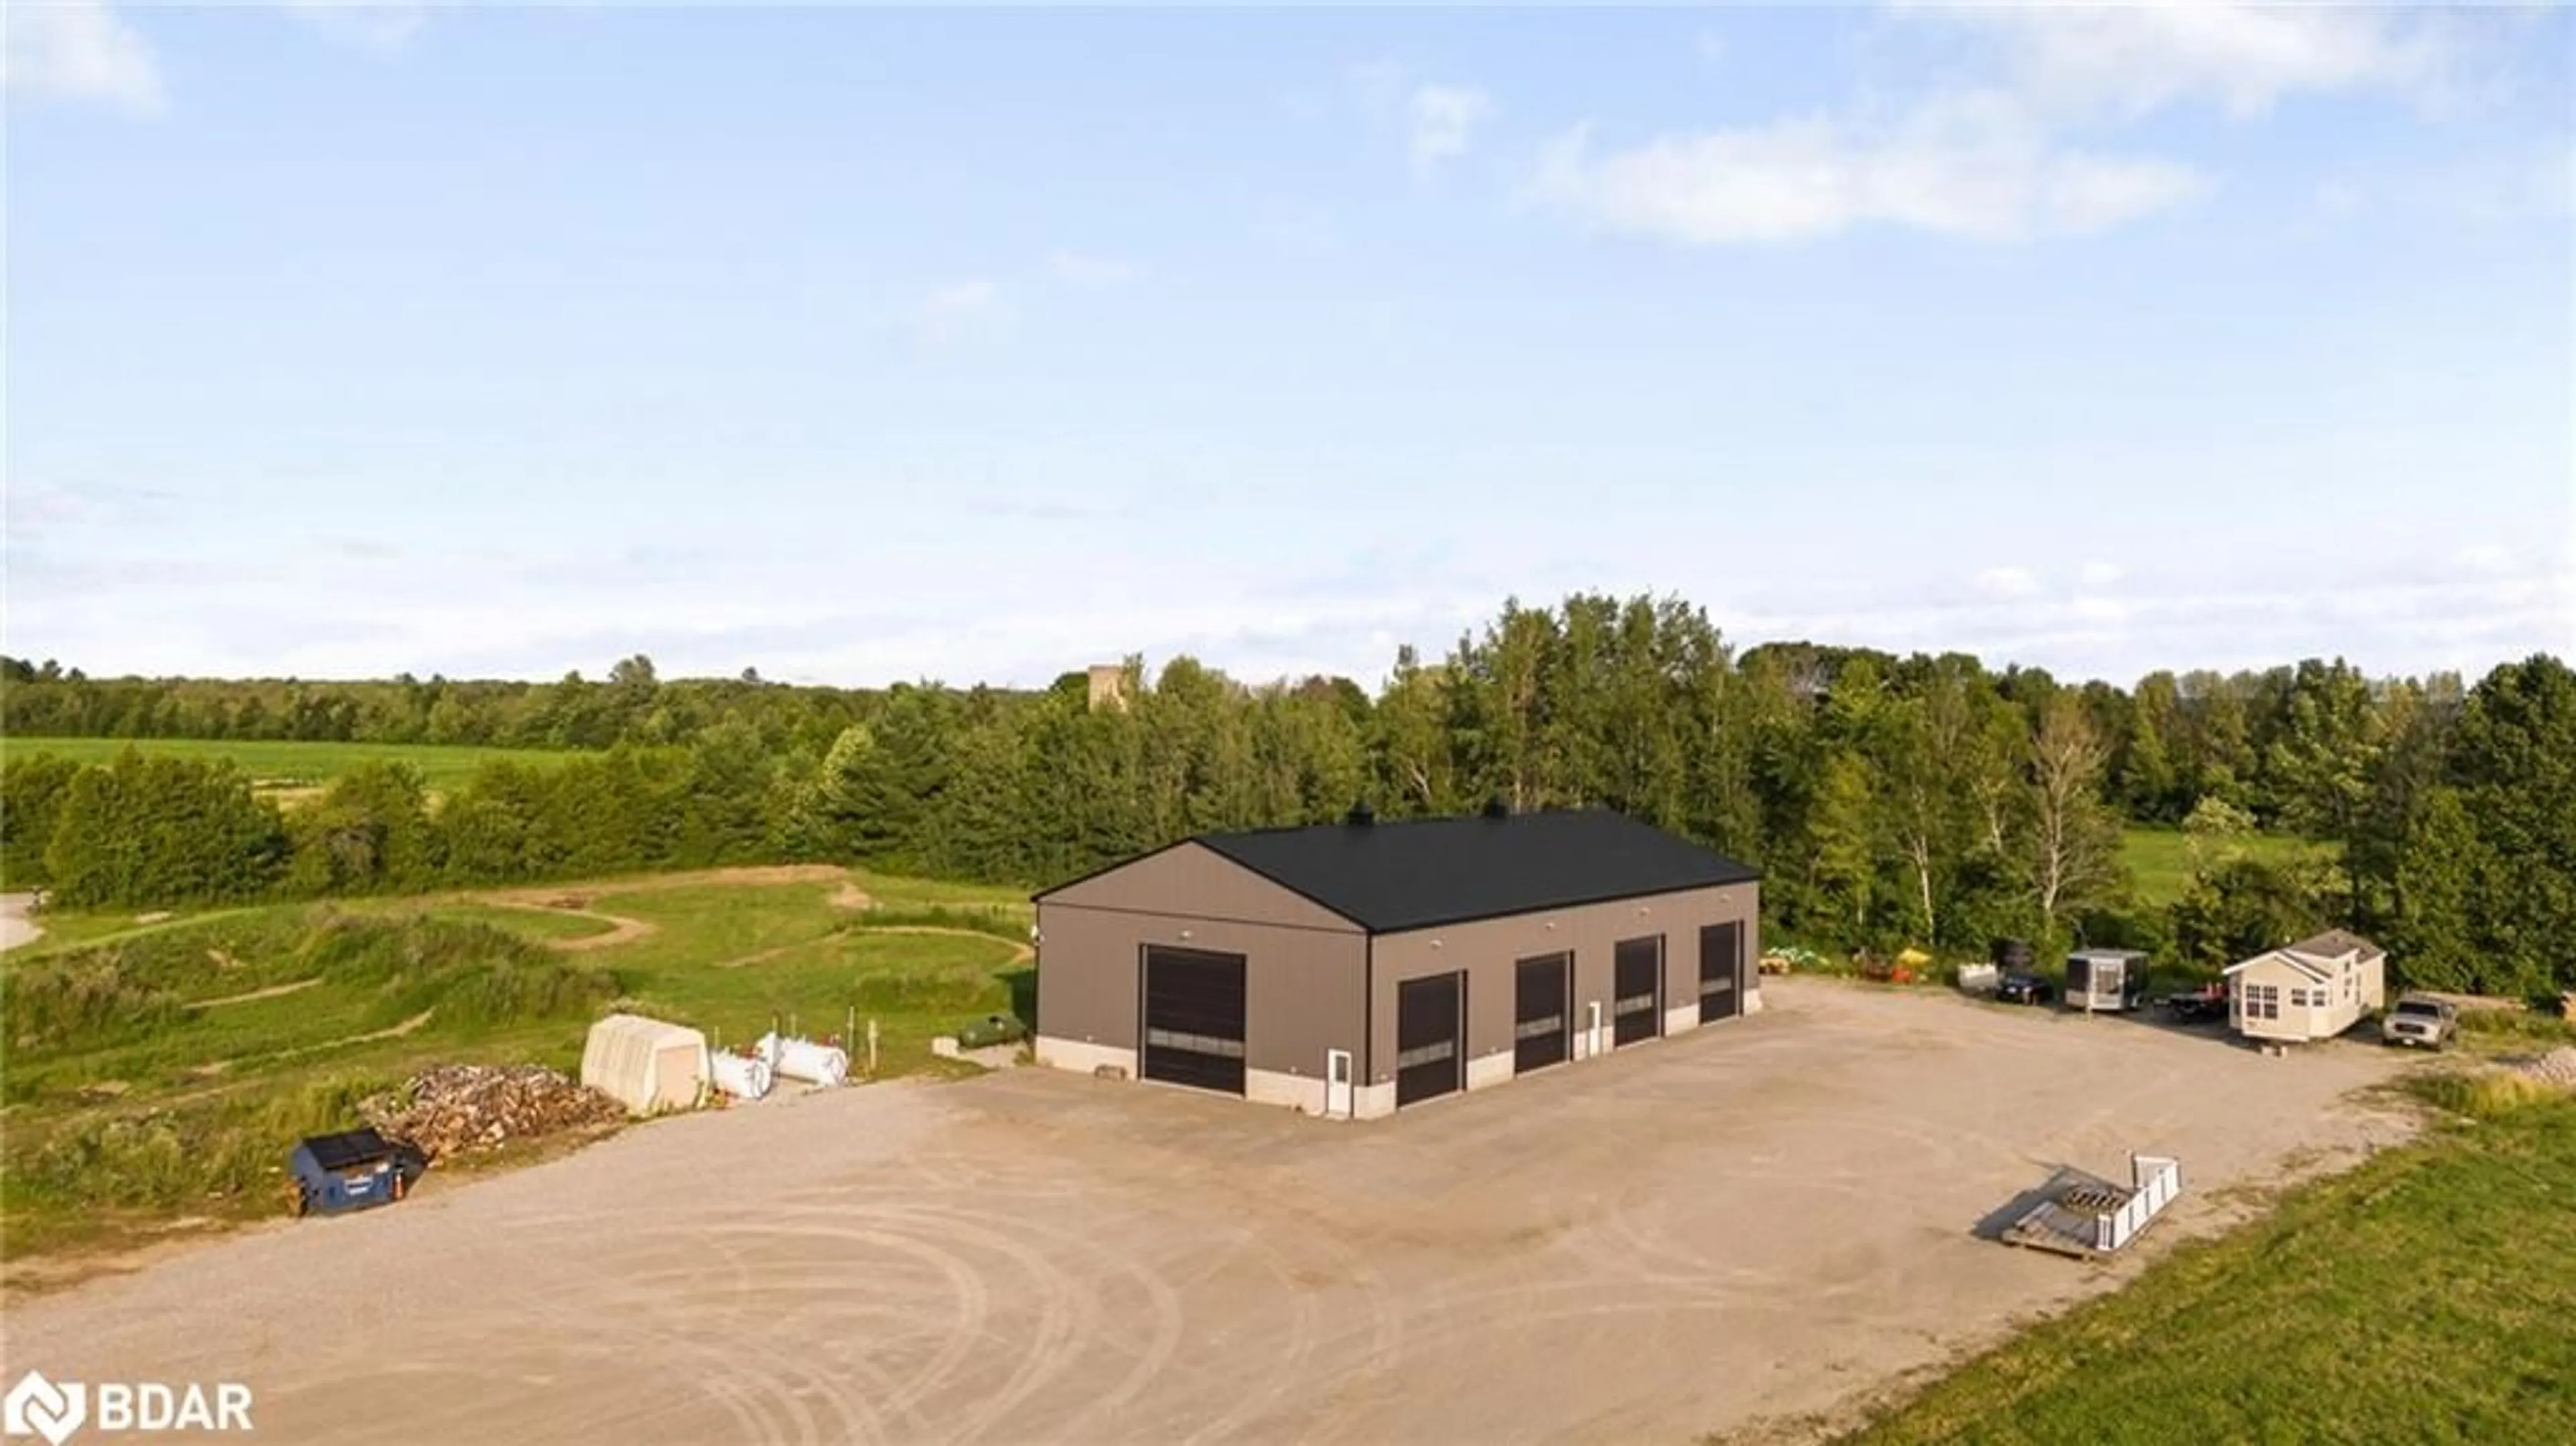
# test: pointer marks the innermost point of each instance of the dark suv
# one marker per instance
(2019, 987)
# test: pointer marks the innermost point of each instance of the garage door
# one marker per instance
(1430, 1051)
(1542, 1013)
(1721, 971)
(1194, 1018)
(1635, 1005)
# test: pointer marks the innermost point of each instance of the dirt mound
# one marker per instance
(2558, 1067)
(457, 1108)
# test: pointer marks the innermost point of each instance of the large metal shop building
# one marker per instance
(1355, 969)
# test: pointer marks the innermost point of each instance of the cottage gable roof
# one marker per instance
(2318, 956)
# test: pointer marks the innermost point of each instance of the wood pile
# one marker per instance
(459, 1108)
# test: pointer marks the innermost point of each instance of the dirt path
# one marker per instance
(621, 929)
(1021, 953)
(274, 991)
(575, 899)
(763, 956)
(412, 1025)
(16, 925)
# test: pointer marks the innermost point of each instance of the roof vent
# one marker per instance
(1496, 808)
(1360, 816)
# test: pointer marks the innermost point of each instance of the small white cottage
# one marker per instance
(2314, 989)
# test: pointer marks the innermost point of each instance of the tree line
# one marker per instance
(1889, 800)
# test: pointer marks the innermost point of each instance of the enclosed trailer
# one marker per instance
(2112, 979)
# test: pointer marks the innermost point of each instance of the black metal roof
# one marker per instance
(1419, 873)
(348, 1148)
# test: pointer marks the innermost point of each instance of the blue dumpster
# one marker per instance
(351, 1170)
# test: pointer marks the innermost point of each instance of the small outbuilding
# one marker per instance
(1353, 969)
(647, 1065)
(2314, 989)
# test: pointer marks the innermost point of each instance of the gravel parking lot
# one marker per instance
(1746, 1223)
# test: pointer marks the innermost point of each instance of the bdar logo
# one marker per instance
(38, 1407)
(55, 1409)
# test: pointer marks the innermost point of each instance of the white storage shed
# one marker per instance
(647, 1065)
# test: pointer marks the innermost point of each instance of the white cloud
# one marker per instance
(1444, 121)
(80, 50)
(1082, 270)
(1989, 158)
(1377, 86)
(1971, 164)
(962, 312)
(2102, 574)
(2007, 582)
(2245, 57)
(379, 27)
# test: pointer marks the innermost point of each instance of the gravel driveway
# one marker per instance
(1745, 1222)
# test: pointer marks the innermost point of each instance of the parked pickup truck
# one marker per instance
(2209, 1001)
(2417, 1020)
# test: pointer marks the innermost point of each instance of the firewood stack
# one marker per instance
(459, 1108)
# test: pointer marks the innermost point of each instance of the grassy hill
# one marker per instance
(162, 1070)
(287, 765)
(2159, 859)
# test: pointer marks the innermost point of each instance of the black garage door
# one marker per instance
(1542, 1013)
(1635, 999)
(1194, 1018)
(1429, 1049)
(1721, 971)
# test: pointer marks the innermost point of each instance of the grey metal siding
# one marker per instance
(1302, 991)
(1193, 881)
(1490, 949)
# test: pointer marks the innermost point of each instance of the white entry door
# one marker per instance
(1337, 1084)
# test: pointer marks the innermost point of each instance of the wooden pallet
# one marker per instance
(2065, 1220)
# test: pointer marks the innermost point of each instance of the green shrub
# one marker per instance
(2516, 1024)
(85, 999)
(183, 1157)
(920, 990)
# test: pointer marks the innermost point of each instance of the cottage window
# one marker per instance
(2262, 1001)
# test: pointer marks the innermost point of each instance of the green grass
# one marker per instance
(129, 1102)
(900, 893)
(534, 923)
(289, 764)
(2424, 1297)
(2160, 859)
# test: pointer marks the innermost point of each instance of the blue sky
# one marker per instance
(861, 345)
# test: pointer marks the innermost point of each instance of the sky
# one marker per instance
(867, 345)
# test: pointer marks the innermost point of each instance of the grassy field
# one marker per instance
(2160, 861)
(286, 764)
(2426, 1296)
(159, 1072)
